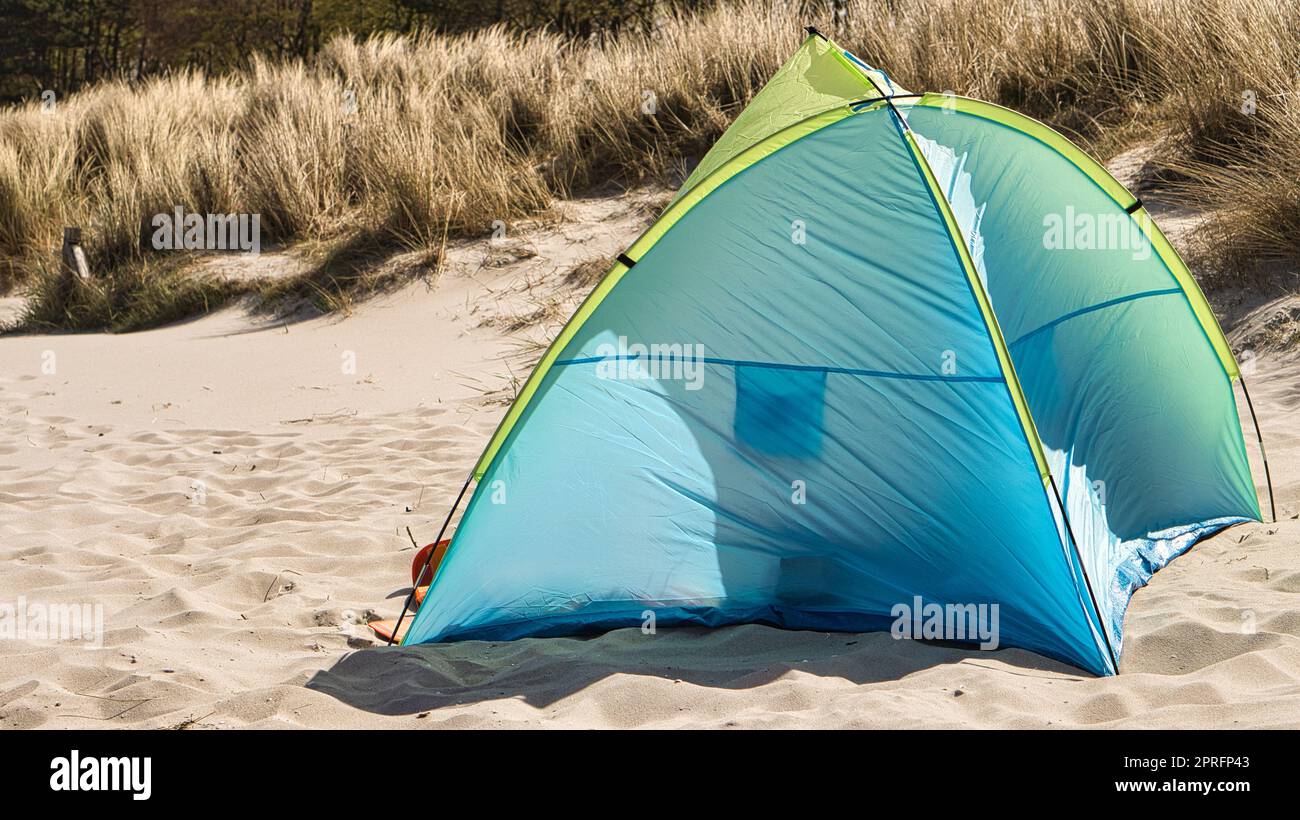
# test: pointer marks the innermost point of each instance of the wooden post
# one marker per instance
(74, 258)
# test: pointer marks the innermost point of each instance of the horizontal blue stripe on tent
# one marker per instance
(1099, 306)
(847, 371)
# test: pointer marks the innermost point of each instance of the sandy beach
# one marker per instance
(234, 492)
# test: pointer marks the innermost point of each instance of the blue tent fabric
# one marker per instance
(1141, 431)
(792, 411)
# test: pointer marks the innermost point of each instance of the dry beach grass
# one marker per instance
(399, 142)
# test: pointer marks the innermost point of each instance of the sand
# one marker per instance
(233, 493)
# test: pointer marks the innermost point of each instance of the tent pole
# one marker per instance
(427, 561)
(1101, 624)
(905, 129)
(1259, 434)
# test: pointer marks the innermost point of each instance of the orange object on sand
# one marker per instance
(384, 629)
(417, 563)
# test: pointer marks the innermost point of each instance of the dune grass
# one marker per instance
(128, 297)
(401, 142)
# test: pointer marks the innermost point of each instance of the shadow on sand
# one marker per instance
(541, 671)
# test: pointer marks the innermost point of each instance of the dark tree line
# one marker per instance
(64, 44)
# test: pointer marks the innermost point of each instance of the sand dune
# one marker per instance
(235, 495)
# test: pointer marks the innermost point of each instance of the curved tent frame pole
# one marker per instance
(1259, 434)
(428, 560)
(995, 334)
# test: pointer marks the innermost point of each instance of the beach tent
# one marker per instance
(883, 350)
